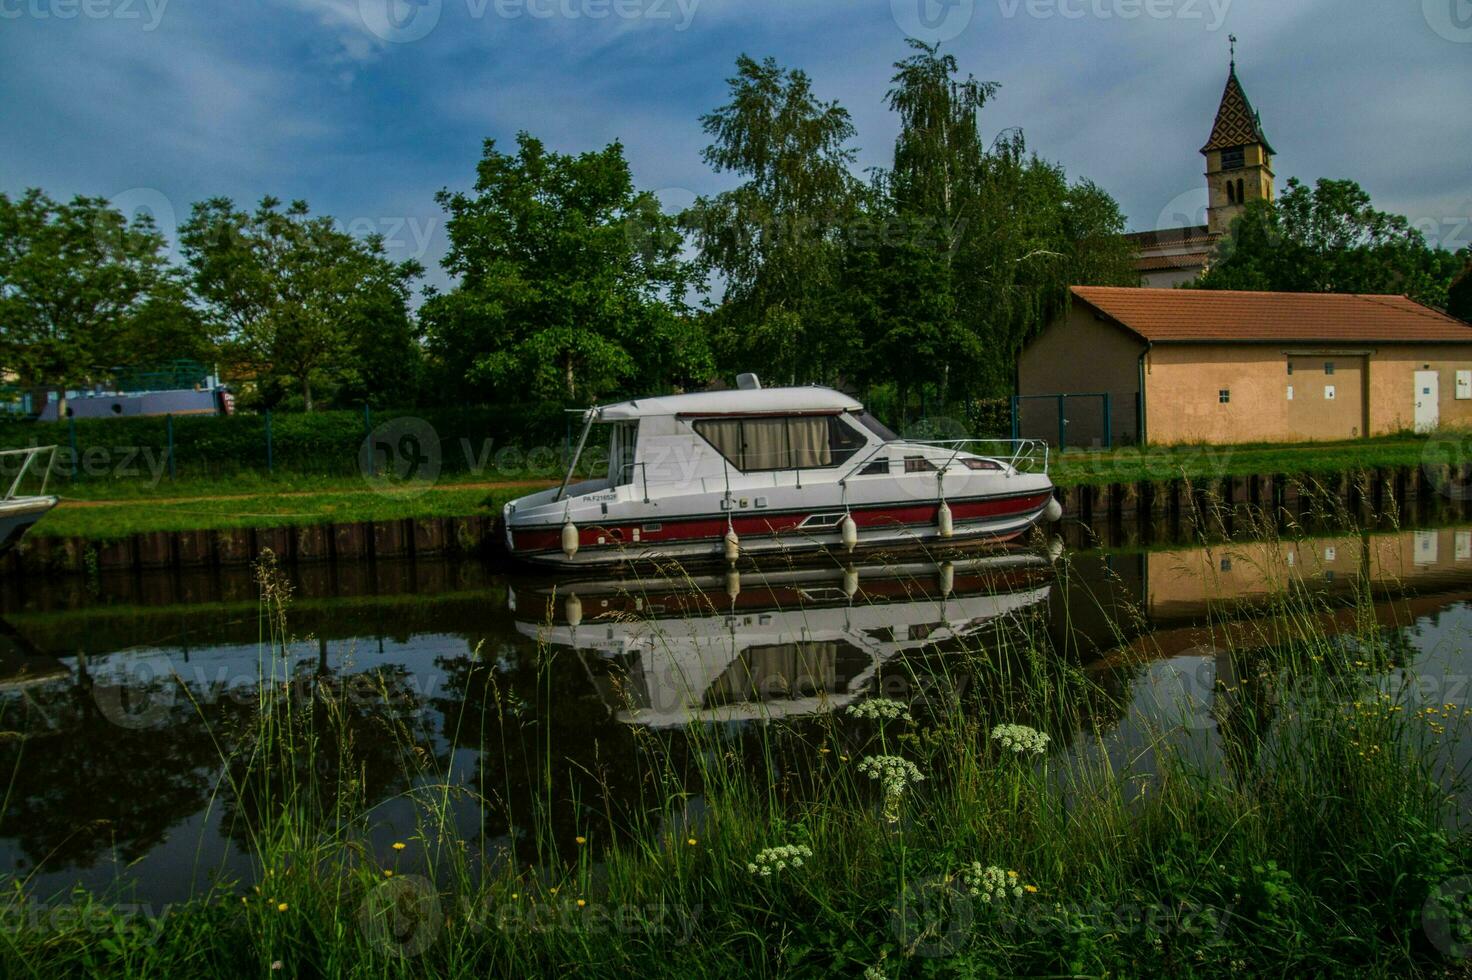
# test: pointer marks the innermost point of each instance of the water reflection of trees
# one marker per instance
(96, 765)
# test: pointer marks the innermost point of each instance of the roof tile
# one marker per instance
(1230, 316)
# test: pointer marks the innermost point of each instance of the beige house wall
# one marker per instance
(1393, 379)
(1371, 391)
(1081, 353)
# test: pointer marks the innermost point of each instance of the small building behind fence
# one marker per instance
(1212, 366)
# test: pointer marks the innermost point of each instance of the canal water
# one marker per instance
(123, 697)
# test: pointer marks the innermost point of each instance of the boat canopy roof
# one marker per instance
(735, 402)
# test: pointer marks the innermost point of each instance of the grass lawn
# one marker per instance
(1130, 464)
(116, 507)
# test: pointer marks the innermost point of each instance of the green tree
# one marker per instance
(979, 244)
(84, 290)
(570, 282)
(1459, 296)
(297, 296)
(1329, 239)
(776, 241)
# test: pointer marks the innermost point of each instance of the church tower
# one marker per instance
(1239, 160)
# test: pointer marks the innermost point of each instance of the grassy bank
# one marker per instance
(252, 498)
(1307, 825)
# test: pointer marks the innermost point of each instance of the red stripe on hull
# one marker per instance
(713, 529)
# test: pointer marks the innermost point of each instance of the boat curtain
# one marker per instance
(724, 435)
(800, 442)
(808, 438)
(764, 445)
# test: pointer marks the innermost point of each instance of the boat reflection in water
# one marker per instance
(665, 652)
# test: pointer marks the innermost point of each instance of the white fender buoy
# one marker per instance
(943, 519)
(850, 581)
(733, 545)
(569, 539)
(947, 578)
(1053, 511)
(848, 531)
(573, 607)
(733, 583)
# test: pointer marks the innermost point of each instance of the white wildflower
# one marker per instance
(1021, 739)
(992, 883)
(895, 774)
(774, 859)
(880, 709)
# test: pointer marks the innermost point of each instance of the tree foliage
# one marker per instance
(301, 302)
(1329, 239)
(776, 240)
(570, 282)
(84, 290)
(980, 242)
(1459, 296)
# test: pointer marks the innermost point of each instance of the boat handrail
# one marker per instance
(31, 455)
(1024, 451)
(619, 482)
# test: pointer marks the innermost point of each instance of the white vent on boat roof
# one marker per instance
(748, 382)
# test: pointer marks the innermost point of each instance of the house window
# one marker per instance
(1241, 191)
(1224, 396)
(1328, 367)
(1290, 368)
(1231, 193)
(1329, 393)
(1234, 159)
(1290, 393)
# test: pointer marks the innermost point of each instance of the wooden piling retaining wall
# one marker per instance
(1152, 507)
(359, 541)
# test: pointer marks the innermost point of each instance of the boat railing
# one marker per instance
(28, 459)
(1022, 455)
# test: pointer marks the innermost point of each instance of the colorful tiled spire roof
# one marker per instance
(1236, 122)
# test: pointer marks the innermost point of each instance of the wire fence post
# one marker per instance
(270, 461)
(368, 434)
(71, 428)
(1108, 421)
(169, 428)
(1016, 422)
(1062, 421)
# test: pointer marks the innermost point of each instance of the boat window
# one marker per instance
(918, 464)
(797, 442)
(875, 426)
(875, 467)
(621, 442)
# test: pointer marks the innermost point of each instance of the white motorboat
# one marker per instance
(721, 474)
(19, 511)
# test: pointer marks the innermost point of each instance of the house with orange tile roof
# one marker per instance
(1214, 366)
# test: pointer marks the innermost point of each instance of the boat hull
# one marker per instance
(17, 516)
(996, 519)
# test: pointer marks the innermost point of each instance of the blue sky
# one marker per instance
(367, 107)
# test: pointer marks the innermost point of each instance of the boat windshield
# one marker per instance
(875, 426)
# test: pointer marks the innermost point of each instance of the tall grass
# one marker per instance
(1304, 826)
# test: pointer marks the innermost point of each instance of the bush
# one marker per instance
(320, 443)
